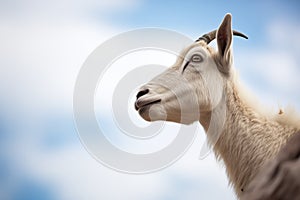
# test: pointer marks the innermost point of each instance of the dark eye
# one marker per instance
(196, 58)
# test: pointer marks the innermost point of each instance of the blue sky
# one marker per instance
(44, 44)
(194, 17)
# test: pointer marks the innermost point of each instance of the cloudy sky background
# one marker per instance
(44, 44)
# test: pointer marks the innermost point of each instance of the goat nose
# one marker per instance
(142, 93)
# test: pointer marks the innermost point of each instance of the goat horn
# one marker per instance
(208, 37)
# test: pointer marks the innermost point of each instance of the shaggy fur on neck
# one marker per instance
(250, 136)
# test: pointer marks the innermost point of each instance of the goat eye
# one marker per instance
(197, 58)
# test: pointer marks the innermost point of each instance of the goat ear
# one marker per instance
(224, 40)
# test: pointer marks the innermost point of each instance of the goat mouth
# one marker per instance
(141, 104)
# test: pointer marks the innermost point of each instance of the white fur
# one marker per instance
(243, 134)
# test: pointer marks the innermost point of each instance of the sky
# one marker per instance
(45, 43)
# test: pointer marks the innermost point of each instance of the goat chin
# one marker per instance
(156, 113)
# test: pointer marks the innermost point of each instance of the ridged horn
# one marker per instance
(208, 37)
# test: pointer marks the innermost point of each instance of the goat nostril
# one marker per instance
(142, 93)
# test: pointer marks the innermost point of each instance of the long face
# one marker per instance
(194, 84)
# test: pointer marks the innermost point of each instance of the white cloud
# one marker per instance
(278, 68)
(42, 49)
(41, 63)
(273, 70)
(74, 174)
(61, 10)
(284, 34)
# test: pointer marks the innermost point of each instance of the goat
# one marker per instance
(202, 83)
